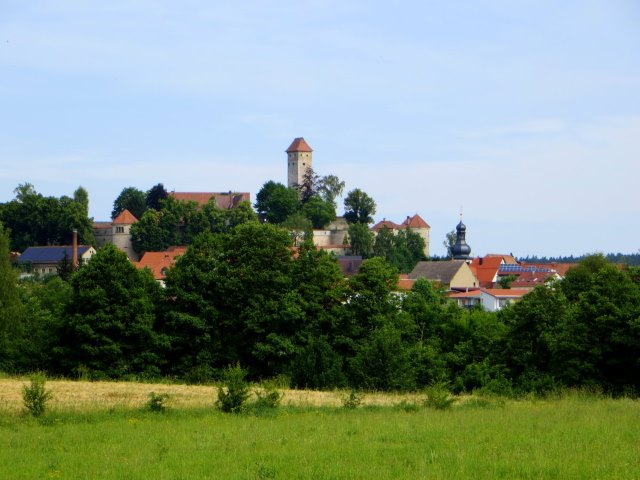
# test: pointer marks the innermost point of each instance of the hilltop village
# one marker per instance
(185, 284)
(492, 281)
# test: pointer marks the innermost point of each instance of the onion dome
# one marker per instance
(461, 250)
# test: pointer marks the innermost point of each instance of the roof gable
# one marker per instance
(125, 218)
(415, 222)
(158, 262)
(299, 145)
(486, 269)
(442, 272)
(385, 224)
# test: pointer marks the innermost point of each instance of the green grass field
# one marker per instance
(571, 437)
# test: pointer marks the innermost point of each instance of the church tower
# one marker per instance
(299, 159)
(461, 251)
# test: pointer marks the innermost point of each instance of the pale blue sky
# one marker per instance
(526, 113)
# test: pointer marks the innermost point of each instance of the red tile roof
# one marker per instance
(415, 222)
(485, 269)
(508, 258)
(406, 283)
(385, 224)
(101, 225)
(158, 262)
(299, 145)
(560, 268)
(225, 201)
(531, 279)
(125, 218)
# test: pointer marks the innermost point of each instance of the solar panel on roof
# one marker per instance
(48, 254)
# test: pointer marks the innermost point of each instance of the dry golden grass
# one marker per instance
(80, 395)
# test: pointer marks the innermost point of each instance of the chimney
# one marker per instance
(74, 250)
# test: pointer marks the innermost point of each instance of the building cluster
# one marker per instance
(471, 282)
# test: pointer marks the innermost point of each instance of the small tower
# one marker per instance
(121, 233)
(299, 159)
(461, 250)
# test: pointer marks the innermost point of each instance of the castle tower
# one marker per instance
(299, 159)
(121, 233)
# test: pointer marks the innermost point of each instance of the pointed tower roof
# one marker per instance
(384, 223)
(125, 218)
(415, 222)
(299, 145)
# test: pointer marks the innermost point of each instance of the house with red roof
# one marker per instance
(486, 269)
(414, 223)
(530, 279)
(159, 262)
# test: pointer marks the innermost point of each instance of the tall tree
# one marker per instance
(330, 188)
(155, 196)
(320, 212)
(38, 220)
(110, 319)
(275, 202)
(309, 186)
(10, 306)
(240, 287)
(131, 199)
(449, 242)
(359, 207)
(361, 240)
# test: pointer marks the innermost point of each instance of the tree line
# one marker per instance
(244, 296)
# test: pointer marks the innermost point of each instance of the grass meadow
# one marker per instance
(101, 431)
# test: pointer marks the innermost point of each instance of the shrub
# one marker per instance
(268, 397)
(353, 400)
(157, 402)
(233, 394)
(35, 396)
(438, 396)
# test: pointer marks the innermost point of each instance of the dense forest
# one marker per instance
(243, 296)
(630, 259)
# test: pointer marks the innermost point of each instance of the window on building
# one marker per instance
(119, 229)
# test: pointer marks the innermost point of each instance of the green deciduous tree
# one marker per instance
(449, 242)
(299, 227)
(359, 207)
(109, 321)
(131, 199)
(37, 220)
(275, 202)
(155, 196)
(237, 289)
(11, 311)
(599, 344)
(361, 240)
(320, 212)
(531, 325)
